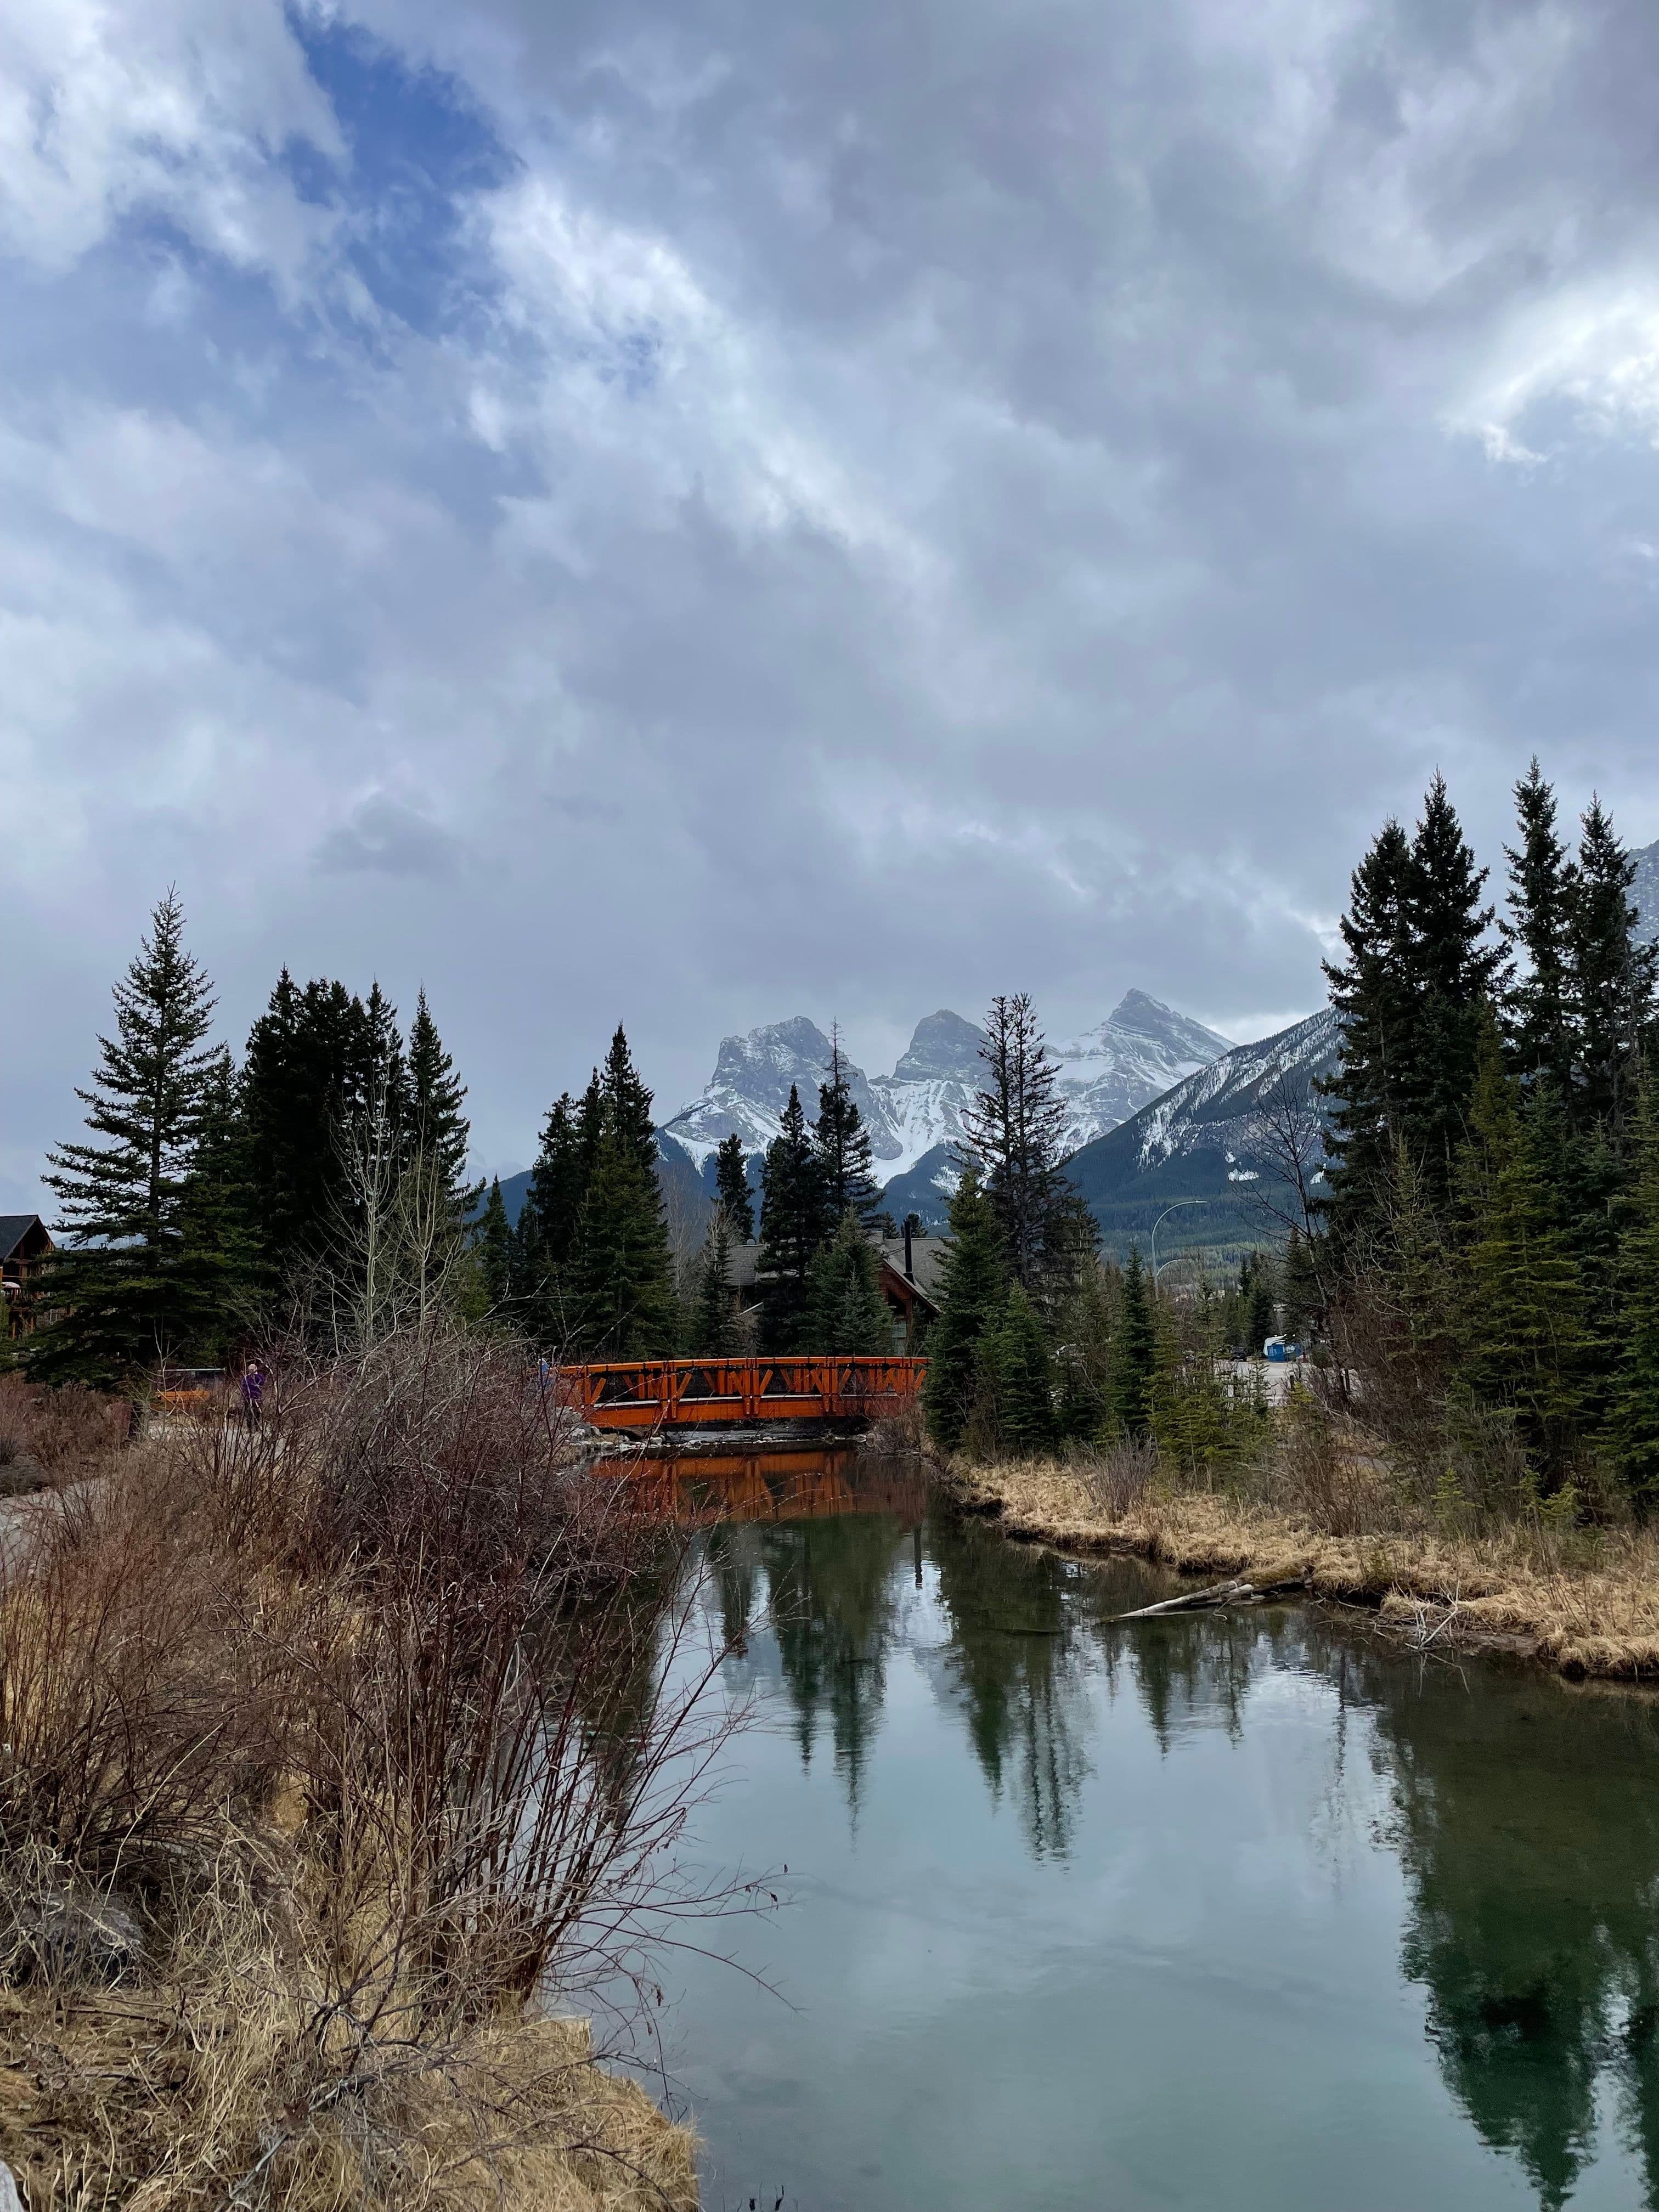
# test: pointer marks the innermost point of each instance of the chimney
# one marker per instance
(909, 1270)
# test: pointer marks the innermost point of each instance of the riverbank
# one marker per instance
(298, 1860)
(1584, 1603)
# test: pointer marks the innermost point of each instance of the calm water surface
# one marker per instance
(1246, 1911)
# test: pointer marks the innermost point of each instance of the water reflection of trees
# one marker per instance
(1019, 1673)
(1529, 1825)
(833, 1590)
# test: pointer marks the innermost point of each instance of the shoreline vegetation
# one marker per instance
(1583, 1601)
(340, 1785)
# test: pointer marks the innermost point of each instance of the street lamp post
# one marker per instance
(1164, 1217)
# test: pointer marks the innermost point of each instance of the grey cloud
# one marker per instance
(383, 837)
(1060, 519)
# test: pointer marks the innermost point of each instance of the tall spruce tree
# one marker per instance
(1613, 978)
(731, 1188)
(127, 1288)
(545, 1239)
(1134, 1355)
(795, 1220)
(1543, 900)
(846, 1312)
(1015, 1128)
(1455, 968)
(493, 1243)
(1522, 1334)
(1633, 1426)
(1371, 992)
(439, 1127)
(316, 1058)
(840, 1143)
(973, 1290)
(621, 1270)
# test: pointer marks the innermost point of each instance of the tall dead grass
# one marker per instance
(355, 1723)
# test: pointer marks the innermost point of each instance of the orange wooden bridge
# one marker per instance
(650, 1393)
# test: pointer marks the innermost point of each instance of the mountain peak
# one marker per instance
(945, 1048)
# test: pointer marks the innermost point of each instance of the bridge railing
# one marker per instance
(630, 1394)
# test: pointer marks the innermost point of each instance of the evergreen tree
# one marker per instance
(1543, 900)
(1633, 1428)
(846, 1312)
(1455, 970)
(493, 1243)
(973, 1290)
(712, 1325)
(1024, 1378)
(127, 1287)
(731, 1186)
(1613, 977)
(1015, 1127)
(1134, 1361)
(315, 1058)
(621, 1270)
(841, 1144)
(545, 1237)
(220, 1256)
(795, 1220)
(1522, 1337)
(621, 1297)
(1371, 994)
(439, 1128)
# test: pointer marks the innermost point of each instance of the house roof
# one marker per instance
(927, 1257)
(15, 1234)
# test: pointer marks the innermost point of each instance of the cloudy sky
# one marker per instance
(699, 513)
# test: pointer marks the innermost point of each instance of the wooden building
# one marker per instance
(24, 1242)
(909, 1275)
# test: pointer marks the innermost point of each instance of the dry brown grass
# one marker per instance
(350, 1728)
(54, 1436)
(1586, 1602)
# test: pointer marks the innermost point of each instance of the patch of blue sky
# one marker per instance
(420, 152)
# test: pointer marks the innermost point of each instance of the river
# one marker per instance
(1250, 1911)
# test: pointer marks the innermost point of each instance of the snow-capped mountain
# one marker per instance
(1645, 892)
(1198, 1146)
(1135, 1054)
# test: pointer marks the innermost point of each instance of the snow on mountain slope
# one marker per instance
(749, 1088)
(1137, 1052)
(1645, 892)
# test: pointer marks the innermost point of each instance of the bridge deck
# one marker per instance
(648, 1394)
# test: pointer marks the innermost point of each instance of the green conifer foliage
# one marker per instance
(1134, 1360)
(1300, 1290)
(731, 1188)
(439, 1130)
(129, 1289)
(1371, 992)
(316, 1058)
(1024, 1379)
(622, 1297)
(1455, 968)
(1613, 978)
(846, 1312)
(795, 1220)
(1543, 900)
(1634, 1427)
(972, 1290)
(493, 1243)
(714, 1330)
(841, 1144)
(1260, 1285)
(1522, 1325)
(1014, 1129)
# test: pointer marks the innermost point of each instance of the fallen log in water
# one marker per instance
(1211, 1600)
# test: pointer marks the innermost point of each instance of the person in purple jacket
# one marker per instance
(253, 1391)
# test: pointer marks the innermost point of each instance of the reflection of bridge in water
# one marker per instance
(649, 1394)
(779, 1486)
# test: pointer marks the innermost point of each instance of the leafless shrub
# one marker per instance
(393, 1690)
(1322, 1470)
(59, 1431)
(1118, 1476)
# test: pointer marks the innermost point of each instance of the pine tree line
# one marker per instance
(207, 1203)
(1492, 1176)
